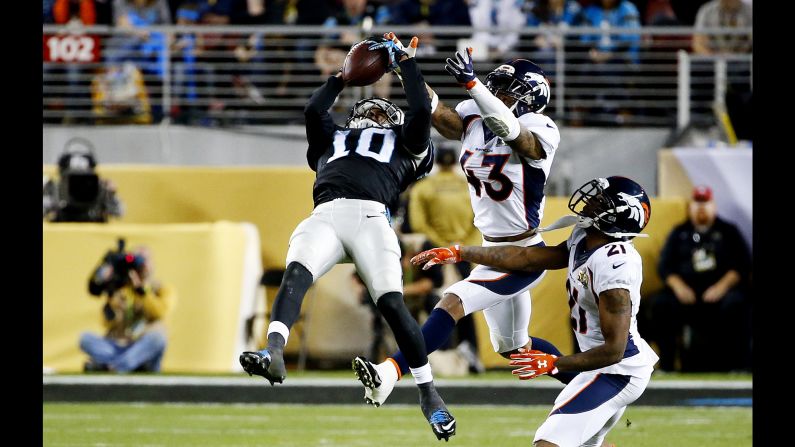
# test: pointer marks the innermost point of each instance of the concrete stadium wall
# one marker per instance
(584, 153)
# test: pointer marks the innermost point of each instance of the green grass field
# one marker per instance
(347, 426)
(496, 374)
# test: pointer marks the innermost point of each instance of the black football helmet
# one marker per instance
(362, 116)
(522, 80)
(616, 206)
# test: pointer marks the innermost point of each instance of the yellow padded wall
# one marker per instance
(202, 261)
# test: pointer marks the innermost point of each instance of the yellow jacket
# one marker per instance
(439, 207)
(132, 313)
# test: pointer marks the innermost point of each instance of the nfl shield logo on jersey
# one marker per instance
(582, 277)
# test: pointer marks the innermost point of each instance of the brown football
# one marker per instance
(363, 66)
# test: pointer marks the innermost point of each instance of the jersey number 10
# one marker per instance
(373, 142)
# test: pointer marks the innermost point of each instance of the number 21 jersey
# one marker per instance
(616, 265)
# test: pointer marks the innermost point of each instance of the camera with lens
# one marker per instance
(120, 262)
(79, 191)
(79, 194)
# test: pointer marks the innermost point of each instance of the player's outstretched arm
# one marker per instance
(615, 314)
(615, 311)
(496, 115)
(319, 125)
(445, 119)
(417, 124)
(509, 258)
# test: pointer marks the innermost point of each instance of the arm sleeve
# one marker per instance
(319, 125)
(417, 125)
(496, 115)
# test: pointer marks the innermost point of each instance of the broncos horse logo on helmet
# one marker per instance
(522, 80)
(616, 206)
(374, 112)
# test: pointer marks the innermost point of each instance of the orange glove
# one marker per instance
(434, 256)
(533, 364)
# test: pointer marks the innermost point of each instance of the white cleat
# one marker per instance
(378, 380)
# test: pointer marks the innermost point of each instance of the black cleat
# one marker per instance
(443, 424)
(435, 411)
(264, 364)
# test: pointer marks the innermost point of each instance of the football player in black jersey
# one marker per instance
(361, 169)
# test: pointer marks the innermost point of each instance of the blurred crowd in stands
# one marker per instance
(231, 74)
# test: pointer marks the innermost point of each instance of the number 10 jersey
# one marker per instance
(368, 164)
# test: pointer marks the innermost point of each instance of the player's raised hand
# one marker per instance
(462, 70)
(533, 364)
(448, 255)
(396, 52)
(412, 48)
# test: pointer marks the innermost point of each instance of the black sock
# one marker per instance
(287, 304)
(405, 328)
(275, 342)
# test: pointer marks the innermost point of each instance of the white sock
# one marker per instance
(422, 374)
(280, 328)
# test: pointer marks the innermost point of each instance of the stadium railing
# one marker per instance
(249, 76)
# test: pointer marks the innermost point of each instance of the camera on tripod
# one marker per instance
(79, 194)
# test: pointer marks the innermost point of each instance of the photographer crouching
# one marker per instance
(133, 313)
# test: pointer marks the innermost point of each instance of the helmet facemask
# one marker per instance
(362, 114)
(592, 205)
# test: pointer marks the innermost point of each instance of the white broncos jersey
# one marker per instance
(506, 189)
(616, 265)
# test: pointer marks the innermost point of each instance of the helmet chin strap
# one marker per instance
(565, 221)
(583, 222)
(620, 235)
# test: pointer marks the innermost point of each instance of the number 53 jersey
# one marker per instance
(506, 189)
(367, 164)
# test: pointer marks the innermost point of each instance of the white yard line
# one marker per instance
(321, 383)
